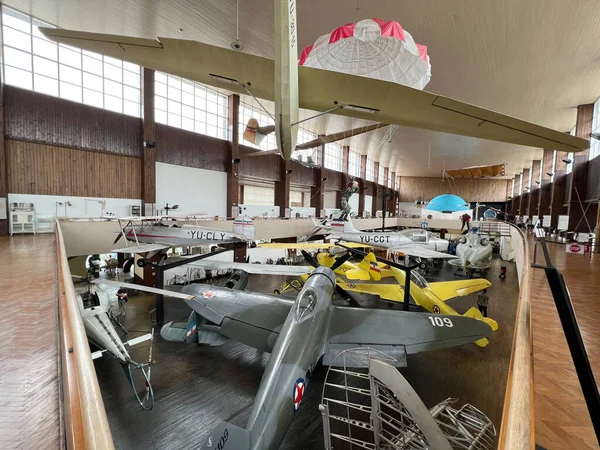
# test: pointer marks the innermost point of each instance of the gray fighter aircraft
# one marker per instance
(302, 333)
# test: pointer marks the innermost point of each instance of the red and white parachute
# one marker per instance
(371, 48)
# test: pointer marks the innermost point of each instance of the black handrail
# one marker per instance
(564, 307)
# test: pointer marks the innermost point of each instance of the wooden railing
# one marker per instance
(518, 431)
(85, 422)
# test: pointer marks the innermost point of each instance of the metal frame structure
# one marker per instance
(379, 410)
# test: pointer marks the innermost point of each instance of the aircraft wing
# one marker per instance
(422, 252)
(142, 248)
(310, 245)
(393, 292)
(250, 318)
(255, 269)
(398, 333)
(446, 290)
(320, 90)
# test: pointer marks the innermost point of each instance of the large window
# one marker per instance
(257, 195)
(248, 112)
(296, 199)
(310, 154)
(396, 184)
(380, 179)
(353, 164)
(33, 62)
(189, 105)
(530, 177)
(333, 157)
(521, 183)
(370, 175)
(541, 168)
(595, 143)
(553, 166)
(389, 179)
(512, 188)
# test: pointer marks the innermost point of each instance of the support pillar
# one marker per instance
(149, 149)
(282, 187)
(317, 192)
(376, 192)
(345, 158)
(535, 188)
(526, 192)
(233, 185)
(362, 185)
(3, 169)
(579, 177)
(384, 182)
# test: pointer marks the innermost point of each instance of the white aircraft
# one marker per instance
(97, 312)
(474, 252)
(416, 243)
(292, 87)
(153, 235)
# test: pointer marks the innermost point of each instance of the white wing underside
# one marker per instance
(419, 252)
(142, 248)
(254, 269)
(320, 90)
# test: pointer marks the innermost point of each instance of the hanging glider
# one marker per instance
(496, 170)
(256, 134)
(313, 89)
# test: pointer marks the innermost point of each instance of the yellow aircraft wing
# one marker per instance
(393, 292)
(446, 290)
(321, 90)
(310, 245)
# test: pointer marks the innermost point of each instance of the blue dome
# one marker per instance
(447, 203)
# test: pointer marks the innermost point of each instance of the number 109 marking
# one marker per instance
(440, 321)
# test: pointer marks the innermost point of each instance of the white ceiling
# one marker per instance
(533, 59)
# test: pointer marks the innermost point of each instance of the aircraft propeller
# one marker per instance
(338, 262)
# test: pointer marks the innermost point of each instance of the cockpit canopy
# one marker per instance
(417, 235)
(418, 279)
(305, 304)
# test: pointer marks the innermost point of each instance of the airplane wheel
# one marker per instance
(423, 266)
(277, 291)
(142, 263)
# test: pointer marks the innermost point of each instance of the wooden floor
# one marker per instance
(197, 386)
(29, 411)
(561, 417)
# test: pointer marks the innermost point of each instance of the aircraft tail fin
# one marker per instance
(369, 263)
(476, 314)
(181, 331)
(339, 227)
(255, 133)
(226, 435)
(244, 226)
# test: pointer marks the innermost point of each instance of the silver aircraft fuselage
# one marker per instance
(291, 365)
(179, 236)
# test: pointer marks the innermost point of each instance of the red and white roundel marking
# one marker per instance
(351, 286)
(208, 294)
(436, 309)
(298, 393)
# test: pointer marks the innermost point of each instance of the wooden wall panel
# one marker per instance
(302, 176)
(186, 148)
(31, 116)
(264, 167)
(335, 180)
(471, 190)
(49, 170)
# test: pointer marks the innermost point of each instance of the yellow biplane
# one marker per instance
(431, 296)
